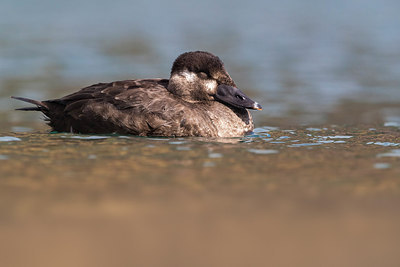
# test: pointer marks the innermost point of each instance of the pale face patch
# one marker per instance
(211, 86)
(187, 81)
(189, 76)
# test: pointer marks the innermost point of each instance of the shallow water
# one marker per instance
(316, 184)
(335, 189)
(259, 159)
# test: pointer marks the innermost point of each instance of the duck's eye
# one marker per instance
(203, 75)
(240, 97)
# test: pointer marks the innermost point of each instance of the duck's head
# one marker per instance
(201, 76)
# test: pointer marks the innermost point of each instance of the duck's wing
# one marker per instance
(109, 91)
(141, 107)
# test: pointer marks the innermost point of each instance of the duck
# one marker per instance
(199, 99)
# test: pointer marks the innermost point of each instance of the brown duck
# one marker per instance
(199, 99)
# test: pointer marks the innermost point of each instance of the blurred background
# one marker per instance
(307, 62)
(317, 184)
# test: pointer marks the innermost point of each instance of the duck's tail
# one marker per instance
(40, 106)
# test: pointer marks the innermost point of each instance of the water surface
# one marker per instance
(335, 189)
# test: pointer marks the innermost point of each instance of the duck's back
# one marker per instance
(125, 107)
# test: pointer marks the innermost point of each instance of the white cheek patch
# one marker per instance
(189, 76)
(211, 86)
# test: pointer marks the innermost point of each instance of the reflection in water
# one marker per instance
(208, 164)
(92, 137)
(172, 152)
(383, 143)
(381, 165)
(215, 155)
(392, 124)
(305, 144)
(17, 129)
(177, 142)
(9, 139)
(392, 153)
(263, 151)
(182, 148)
(314, 129)
(336, 137)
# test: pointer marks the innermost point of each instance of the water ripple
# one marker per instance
(305, 144)
(9, 139)
(383, 143)
(263, 151)
(92, 137)
(392, 153)
(381, 165)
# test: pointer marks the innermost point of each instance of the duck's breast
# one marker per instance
(230, 121)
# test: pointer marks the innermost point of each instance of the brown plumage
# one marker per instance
(199, 99)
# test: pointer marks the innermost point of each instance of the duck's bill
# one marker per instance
(233, 96)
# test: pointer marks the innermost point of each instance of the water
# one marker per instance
(316, 184)
(307, 62)
(110, 192)
(254, 160)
